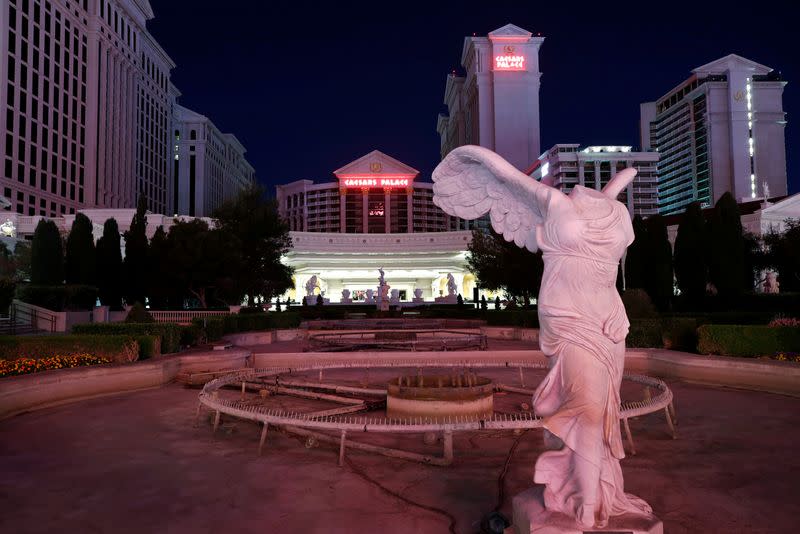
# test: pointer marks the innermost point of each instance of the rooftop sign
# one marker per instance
(387, 182)
(509, 60)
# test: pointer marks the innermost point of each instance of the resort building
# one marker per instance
(87, 108)
(373, 215)
(720, 130)
(567, 165)
(209, 166)
(495, 103)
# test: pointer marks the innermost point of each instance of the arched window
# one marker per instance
(193, 135)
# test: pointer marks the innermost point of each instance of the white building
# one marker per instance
(86, 113)
(496, 103)
(758, 216)
(374, 215)
(567, 165)
(208, 166)
(720, 130)
(87, 107)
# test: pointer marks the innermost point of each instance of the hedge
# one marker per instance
(747, 340)
(191, 335)
(149, 346)
(59, 298)
(170, 333)
(676, 333)
(116, 348)
(216, 327)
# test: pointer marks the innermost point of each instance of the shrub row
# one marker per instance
(676, 333)
(216, 327)
(59, 298)
(116, 348)
(170, 333)
(747, 340)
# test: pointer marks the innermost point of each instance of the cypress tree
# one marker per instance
(160, 285)
(47, 255)
(635, 258)
(659, 280)
(80, 261)
(135, 264)
(109, 266)
(691, 247)
(726, 259)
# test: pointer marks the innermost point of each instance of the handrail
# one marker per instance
(184, 316)
(22, 313)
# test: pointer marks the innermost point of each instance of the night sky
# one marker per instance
(308, 89)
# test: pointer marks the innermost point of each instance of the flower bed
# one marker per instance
(116, 348)
(22, 366)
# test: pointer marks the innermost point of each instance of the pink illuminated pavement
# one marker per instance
(135, 463)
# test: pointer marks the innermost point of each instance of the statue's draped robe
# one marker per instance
(583, 328)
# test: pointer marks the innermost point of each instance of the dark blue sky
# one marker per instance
(308, 89)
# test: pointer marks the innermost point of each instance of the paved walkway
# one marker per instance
(135, 463)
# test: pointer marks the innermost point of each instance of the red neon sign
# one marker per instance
(509, 62)
(386, 182)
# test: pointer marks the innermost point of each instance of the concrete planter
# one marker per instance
(50, 388)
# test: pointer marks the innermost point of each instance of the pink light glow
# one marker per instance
(509, 62)
(384, 181)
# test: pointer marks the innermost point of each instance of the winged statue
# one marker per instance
(583, 324)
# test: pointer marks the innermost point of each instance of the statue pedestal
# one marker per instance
(530, 516)
(418, 300)
(346, 300)
(449, 299)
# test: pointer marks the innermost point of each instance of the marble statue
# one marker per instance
(451, 285)
(771, 284)
(582, 319)
(381, 279)
(311, 285)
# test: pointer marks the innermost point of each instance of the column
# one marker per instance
(597, 175)
(387, 213)
(342, 210)
(581, 175)
(365, 210)
(410, 209)
(629, 189)
(485, 109)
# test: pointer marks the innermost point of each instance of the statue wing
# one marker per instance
(473, 180)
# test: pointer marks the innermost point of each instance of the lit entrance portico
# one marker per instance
(351, 261)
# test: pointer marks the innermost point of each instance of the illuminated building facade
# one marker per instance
(375, 194)
(495, 104)
(208, 166)
(374, 215)
(720, 130)
(87, 107)
(567, 165)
